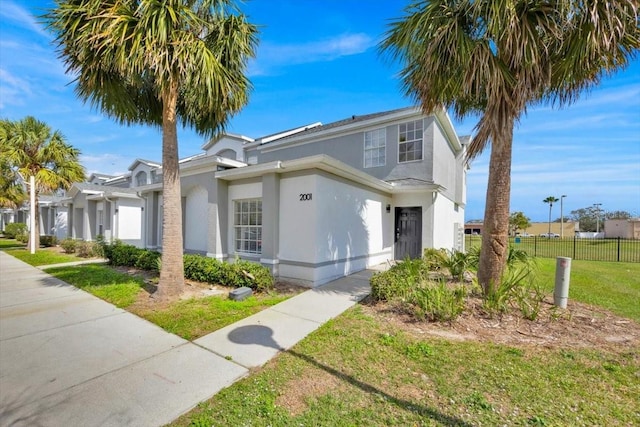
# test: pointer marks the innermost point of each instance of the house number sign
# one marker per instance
(305, 197)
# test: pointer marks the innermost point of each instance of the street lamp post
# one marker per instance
(562, 217)
(597, 209)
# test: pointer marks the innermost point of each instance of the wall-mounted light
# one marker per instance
(116, 210)
(142, 208)
(388, 208)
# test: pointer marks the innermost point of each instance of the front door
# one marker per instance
(408, 240)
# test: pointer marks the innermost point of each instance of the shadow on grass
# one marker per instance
(263, 335)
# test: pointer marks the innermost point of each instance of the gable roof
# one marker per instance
(149, 163)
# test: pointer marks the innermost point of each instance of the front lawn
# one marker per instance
(43, 256)
(10, 243)
(190, 319)
(361, 370)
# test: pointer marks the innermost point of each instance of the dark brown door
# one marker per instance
(408, 240)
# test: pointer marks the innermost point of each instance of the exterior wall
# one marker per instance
(196, 220)
(445, 164)
(538, 228)
(349, 149)
(342, 229)
(128, 220)
(224, 146)
(448, 225)
(623, 228)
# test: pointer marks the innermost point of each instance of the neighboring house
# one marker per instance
(313, 203)
(623, 228)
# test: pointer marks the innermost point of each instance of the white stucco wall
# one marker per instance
(129, 219)
(344, 228)
(196, 219)
(446, 221)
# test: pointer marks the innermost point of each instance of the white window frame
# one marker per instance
(377, 140)
(407, 135)
(247, 226)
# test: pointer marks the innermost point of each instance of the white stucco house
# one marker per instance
(312, 203)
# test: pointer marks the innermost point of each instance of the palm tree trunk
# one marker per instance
(495, 231)
(171, 281)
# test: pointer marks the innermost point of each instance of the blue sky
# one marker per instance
(318, 61)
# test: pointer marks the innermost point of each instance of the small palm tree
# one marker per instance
(496, 58)
(159, 62)
(550, 200)
(29, 148)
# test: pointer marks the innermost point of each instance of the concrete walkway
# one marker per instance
(68, 358)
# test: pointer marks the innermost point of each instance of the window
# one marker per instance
(247, 220)
(375, 142)
(410, 141)
(141, 178)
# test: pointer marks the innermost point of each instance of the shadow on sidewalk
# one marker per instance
(262, 335)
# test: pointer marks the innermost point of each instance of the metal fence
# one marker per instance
(616, 249)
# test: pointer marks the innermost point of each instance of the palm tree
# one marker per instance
(551, 200)
(29, 148)
(159, 62)
(496, 58)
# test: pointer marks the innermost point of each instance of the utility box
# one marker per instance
(240, 294)
(563, 274)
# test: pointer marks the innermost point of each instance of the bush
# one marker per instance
(68, 245)
(434, 258)
(399, 280)
(22, 238)
(86, 249)
(457, 263)
(15, 229)
(120, 254)
(240, 273)
(48, 241)
(437, 301)
(147, 260)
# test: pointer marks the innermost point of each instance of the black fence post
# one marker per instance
(575, 239)
(535, 246)
(618, 248)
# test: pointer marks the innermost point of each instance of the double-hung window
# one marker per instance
(410, 141)
(375, 143)
(247, 221)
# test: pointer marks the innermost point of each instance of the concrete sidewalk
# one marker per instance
(68, 358)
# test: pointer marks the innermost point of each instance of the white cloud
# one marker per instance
(272, 55)
(13, 89)
(14, 13)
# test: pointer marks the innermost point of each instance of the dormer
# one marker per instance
(228, 145)
(143, 172)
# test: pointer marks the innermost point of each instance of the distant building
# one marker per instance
(623, 228)
(535, 229)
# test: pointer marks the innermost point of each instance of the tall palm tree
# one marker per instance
(550, 200)
(159, 62)
(29, 148)
(496, 58)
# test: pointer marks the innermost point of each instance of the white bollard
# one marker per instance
(561, 290)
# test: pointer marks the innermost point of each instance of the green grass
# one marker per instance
(10, 243)
(611, 285)
(44, 256)
(580, 249)
(194, 318)
(356, 370)
(189, 319)
(102, 281)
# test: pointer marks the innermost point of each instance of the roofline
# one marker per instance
(328, 164)
(211, 142)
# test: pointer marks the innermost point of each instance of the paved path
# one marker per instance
(68, 358)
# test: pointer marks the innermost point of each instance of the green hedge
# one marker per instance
(196, 267)
(15, 229)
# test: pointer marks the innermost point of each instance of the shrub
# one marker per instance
(85, 249)
(22, 238)
(147, 260)
(399, 280)
(240, 273)
(48, 241)
(434, 258)
(68, 245)
(122, 255)
(437, 301)
(457, 263)
(15, 229)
